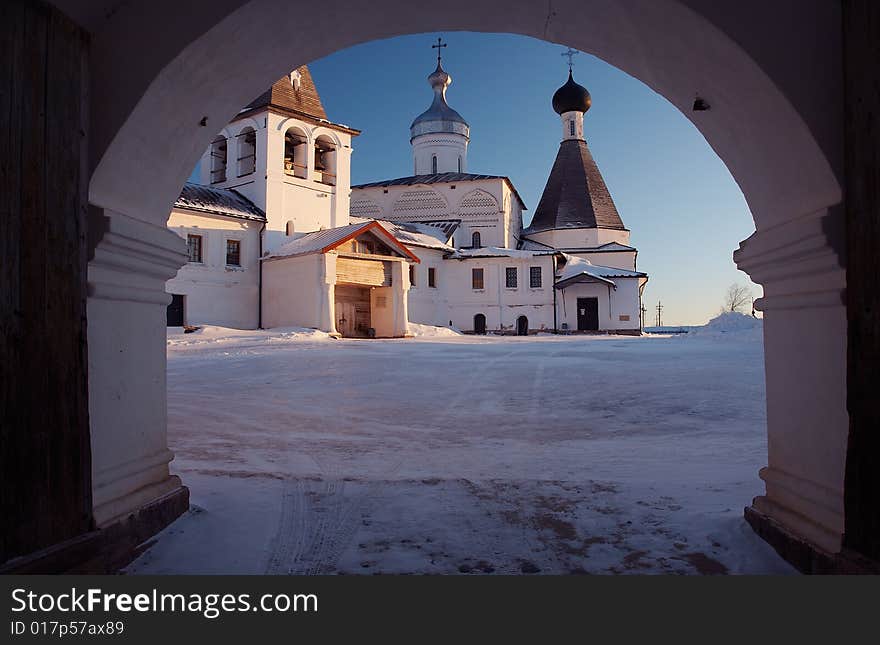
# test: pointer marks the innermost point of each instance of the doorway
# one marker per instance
(479, 324)
(588, 314)
(353, 314)
(522, 326)
(175, 311)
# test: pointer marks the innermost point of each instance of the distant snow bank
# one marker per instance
(430, 331)
(731, 324)
(216, 335)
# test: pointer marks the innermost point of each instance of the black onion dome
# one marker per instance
(571, 97)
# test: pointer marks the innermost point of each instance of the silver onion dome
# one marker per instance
(439, 117)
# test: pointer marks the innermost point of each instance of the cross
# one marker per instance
(571, 54)
(439, 44)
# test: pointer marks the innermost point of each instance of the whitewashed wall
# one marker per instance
(294, 292)
(577, 238)
(217, 294)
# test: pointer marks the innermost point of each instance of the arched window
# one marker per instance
(288, 228)
(296, 153)
(475, 240)
(459, 163)
(325, 160)
(571, 127)
(434, 164)
(247, 152)
(218, 160)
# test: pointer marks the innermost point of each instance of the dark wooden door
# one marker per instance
(588, 314)
(175, 311)
(522, 326)
(479, 324)
(45, 457)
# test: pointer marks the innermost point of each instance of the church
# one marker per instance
(277, 235)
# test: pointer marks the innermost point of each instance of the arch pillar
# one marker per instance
(127, 362)
(799, 265)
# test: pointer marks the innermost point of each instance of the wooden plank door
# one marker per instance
(588, 314)
(45, 456)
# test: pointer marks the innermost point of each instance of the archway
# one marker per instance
(782, 148)
(480, 324)
(522, 326)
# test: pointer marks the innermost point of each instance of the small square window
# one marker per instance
(432, 277)
(535, 277)
(476, 278)
(233, 253)
(194, 247)
(510, 277)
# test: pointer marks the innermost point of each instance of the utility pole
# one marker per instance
(659, 314)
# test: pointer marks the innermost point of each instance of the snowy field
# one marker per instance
(462, 454)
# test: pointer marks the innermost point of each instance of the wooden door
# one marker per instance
(522, 326)
(479, 324)
(45, 455)
(588, 314)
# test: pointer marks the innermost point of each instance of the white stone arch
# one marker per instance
(296, 124)
(295, 158)
(746, 61)
(321, 131)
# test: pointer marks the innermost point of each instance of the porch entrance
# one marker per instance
(353, 314)
(588, 314)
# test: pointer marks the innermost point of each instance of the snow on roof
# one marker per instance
(330, 238)
(497, 252)
(423, 234)
(219, 201)
(576, 269)
(530, 244)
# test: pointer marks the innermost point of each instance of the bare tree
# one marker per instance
(738, 298)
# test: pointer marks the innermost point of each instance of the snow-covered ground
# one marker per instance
(449, 453)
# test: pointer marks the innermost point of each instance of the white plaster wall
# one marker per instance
(495, 224)
(292, 292)
(448, 148)
(500, 304)
(217, 294)
(428, 305)
(576, 238)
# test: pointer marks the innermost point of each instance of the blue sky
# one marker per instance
(684, 209)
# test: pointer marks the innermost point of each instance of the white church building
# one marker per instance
(278, 237)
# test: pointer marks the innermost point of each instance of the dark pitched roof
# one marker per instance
(219, 201)
(575, 195)
(283, 95)
(440, 178)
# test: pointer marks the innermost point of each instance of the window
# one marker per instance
(194, 247)
(412, 275)
(434, 164)
(432, 277)
(218, 160)
(510, 277)
(475, 240)
(476, 278)
(247, 152)
(535, 277)
(459, 163)
(233, 253)
(295, 153)
(571, 128)
(288, 228)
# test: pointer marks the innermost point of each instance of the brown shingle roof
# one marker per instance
(282, 95)
(575, 195)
